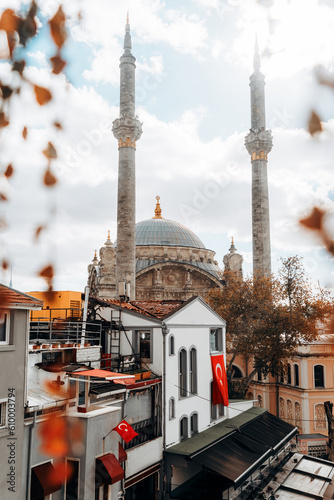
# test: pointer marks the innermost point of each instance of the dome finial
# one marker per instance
(95, 260)
(108, 242)
(157, 210)
(232, 247)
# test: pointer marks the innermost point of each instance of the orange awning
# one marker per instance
(104, 374)
(108, 470)
(125, 381)
(42, 481)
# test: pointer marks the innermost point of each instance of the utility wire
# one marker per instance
(242, 411)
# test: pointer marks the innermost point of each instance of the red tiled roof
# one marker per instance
(152, 308)
(10, 297)
(157, 308)
(125, 305)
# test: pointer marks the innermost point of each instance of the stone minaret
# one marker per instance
(127, 130)
(259, 143)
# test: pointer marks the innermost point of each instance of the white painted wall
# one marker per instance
(191, 328)
(237, 407)
(143, 456)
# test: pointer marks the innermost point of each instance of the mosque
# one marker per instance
(160, 259)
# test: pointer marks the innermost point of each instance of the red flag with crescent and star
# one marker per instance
(125, 431)
(219, 386)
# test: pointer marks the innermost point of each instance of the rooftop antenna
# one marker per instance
(11, 277)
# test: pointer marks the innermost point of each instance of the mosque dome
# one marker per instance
(165, 232)
(171, 262)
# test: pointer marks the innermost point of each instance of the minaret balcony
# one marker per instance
(127, 130)
(259, 144)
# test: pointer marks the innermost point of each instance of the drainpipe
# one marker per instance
(29, 456)
(277, 397)
(165, 332)
(84, 318)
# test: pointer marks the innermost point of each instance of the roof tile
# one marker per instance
(152, 308)
(10, 297)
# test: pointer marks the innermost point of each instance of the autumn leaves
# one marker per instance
(19, 29)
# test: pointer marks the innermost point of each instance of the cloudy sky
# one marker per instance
(194, 59)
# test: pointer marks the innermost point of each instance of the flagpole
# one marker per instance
(103, 439)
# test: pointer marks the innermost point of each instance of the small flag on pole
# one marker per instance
(125, 431)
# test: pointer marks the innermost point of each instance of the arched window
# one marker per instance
(171, 345)
(183, 373)
(236, 372)
(319, 376)
(193, 370)
(289, 410)
(289, 374)
(260, 402)
(193, 423)
(171, 408)
(249, 395)
(183, 428)
(296, 374)
(281, 408)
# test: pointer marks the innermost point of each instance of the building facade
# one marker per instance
(14, 333)
(172, 263)
(298, 396)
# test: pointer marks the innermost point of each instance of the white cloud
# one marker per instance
(293, 34)
(205, 184)
(39, 57)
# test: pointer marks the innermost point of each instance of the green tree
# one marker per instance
(268, 318)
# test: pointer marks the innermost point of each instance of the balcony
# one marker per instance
(148, 430)
(120, 363)
(62, 331)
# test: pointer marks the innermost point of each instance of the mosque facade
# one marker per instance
(160, 259)
(171, 263)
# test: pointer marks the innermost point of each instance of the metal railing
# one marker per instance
(60, 313)
(61, 331)
(120, 363)
(147, 430)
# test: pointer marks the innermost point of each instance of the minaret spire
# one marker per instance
(127, 129)
(259, 143)
(127, 37)
(256, 59)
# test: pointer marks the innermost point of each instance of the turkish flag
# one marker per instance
(219, 385)
(125, 431)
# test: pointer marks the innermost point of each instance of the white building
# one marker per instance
(161, 351)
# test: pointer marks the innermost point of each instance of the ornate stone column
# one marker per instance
(127, 129)
(259, 143)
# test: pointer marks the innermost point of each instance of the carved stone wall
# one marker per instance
(165, 272)
(167, 281)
